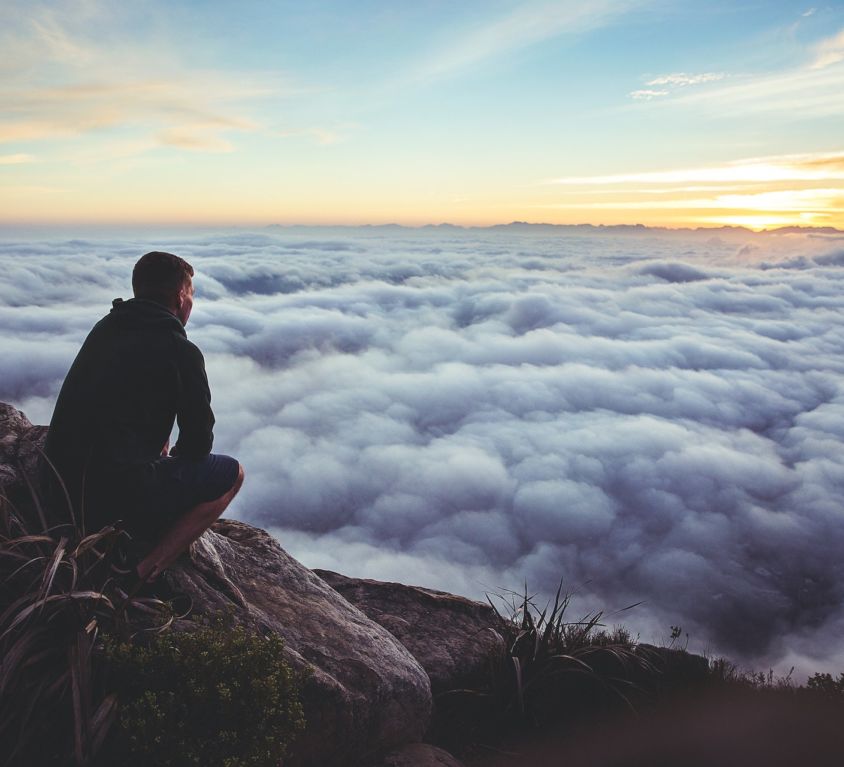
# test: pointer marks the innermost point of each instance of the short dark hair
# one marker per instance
(160, 276)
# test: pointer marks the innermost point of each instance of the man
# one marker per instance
(108, 440)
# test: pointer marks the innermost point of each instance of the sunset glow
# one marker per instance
(603, 112)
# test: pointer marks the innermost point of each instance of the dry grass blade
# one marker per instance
(35, 496)
(520, 699)
(571, 659)
(67, 502)
(32, 703)
(5, 511)
(13, 660)
(27, 563)
(102, 720)
(14, 607)
(50, 573)
(79, 664)
(12, 518)
(89, 541)
(26, 539)
(28, 650)
(494, 608)
(72, 595)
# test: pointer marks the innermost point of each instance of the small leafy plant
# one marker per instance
(216, 696)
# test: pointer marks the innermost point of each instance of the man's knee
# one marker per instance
(227, 497)
(239, 481)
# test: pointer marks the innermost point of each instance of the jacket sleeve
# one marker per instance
(193, 408)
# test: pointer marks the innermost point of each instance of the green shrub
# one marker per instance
(826, 686)
(216, 696)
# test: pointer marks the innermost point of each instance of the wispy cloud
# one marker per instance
(193, 140)
(829, 51)
(681, 79)
(800, 92)
(648, 94)
(67, 81)
(665, 85)
(81, 108)
(16, 159)
(808, 90)
(798, 167)
(321, 135)
(527, 24)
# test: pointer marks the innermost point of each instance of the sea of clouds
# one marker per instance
(653, 417)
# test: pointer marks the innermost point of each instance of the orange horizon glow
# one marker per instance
(109, 120)
(767, 193)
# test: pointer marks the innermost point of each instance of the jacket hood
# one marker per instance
(138, 312)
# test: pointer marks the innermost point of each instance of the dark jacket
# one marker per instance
(135, 374)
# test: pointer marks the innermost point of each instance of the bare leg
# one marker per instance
(184, 531)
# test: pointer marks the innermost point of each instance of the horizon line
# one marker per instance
(783, 229)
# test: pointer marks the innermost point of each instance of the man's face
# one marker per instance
(185, 302)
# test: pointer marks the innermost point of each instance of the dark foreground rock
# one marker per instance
(366, 694)
(420, 755)
(455, 639)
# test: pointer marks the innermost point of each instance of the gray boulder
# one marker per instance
(20, 442)
(454, 638)
(366, 693)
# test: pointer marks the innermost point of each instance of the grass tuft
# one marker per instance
(552, 671)
(60, 591)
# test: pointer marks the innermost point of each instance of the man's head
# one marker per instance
(165, 279)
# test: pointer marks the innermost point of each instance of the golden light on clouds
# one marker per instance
(805, 167)
(806, 189)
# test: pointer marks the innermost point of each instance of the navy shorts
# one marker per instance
(174, 485)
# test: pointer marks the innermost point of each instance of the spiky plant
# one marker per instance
(60, 589)
(550, 671)
(555, 662)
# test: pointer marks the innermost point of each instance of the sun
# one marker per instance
(764, 220)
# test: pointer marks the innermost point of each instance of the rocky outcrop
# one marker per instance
(455, 639)
(20, 443)
(365, 695)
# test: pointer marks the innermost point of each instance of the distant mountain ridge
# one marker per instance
(543, 228)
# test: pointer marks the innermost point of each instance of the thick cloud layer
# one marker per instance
(651, 417)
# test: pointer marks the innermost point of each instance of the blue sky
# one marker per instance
(329, 112)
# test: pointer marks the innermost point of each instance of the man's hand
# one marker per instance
(165, 451)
